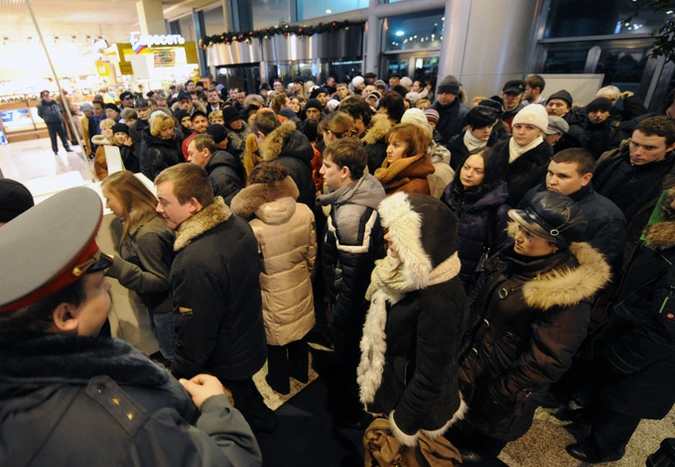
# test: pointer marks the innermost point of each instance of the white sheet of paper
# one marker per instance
(114, 159)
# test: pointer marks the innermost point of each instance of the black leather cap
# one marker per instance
(555, 217)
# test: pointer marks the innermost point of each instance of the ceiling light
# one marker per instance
(399, 33)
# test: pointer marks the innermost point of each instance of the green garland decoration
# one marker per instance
(265, 33)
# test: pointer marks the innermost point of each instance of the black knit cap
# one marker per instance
(120, 128)
(599, 103)
(217, 132)
(449, 85)
(563, 95)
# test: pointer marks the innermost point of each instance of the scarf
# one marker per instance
(515, 151)
(388, 283)
(471, 142)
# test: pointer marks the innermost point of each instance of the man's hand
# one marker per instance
(202, 386)
(627, 94)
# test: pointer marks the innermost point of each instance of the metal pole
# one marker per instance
(58, 86)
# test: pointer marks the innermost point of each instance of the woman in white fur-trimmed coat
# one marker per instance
(417, 317)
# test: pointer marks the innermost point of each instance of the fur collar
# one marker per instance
(209, 217)
(100, 140)
(274, 142)
(568, 287)
(253, 196)
(661, 236)
(379, 126)
(60, 357)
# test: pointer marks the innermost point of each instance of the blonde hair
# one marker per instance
(106, 123)
(215, 114)
(159, 122)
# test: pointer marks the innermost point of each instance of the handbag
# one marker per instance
(384, 450)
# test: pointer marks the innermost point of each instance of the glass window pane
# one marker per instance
(308, 9)
(572, 18)
(566, 61)
(417, 31)
(214, 22)
(269, 12)
(623, 67)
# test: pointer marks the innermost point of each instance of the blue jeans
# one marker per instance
(165, 332)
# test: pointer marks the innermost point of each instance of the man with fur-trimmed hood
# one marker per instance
(418, 314)
(283, 143)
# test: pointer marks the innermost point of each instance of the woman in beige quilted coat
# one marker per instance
(286, 236)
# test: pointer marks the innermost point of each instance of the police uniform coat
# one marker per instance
(70, 400)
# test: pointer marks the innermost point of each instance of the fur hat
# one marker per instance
(112, 106)
(532, 114)
(563, 95)
(406, 82)
(230, 114)
(424, 229)
(555, 217)
(449, 85)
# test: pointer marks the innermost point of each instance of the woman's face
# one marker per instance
(237, 124)
(528, 244)
(167, 132)
(396, 149)
(323, 98)
(217, 121)
(186, 122)
(295, 105)
(112, 202)
(482, 134)
(472, 172)
(392, 249)
(107, 132)
(524, 134)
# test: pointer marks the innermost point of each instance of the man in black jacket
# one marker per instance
(450, 109)
(216, 290)
(50, 111)
(226, 171)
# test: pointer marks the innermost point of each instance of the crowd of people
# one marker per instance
(463, 261)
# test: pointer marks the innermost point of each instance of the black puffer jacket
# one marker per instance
(526, 171)
(530, 316)
(226, 173)
(482, 223)
(292, 149)
(160, 154)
